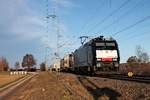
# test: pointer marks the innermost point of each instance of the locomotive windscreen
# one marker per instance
(106, 46)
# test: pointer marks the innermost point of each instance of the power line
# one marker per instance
(130, 26)
(142, 34)
(137, 35)
(111, 14)
(120, 17)
(92, 17)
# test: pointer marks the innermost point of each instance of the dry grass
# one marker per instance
(138, 69)
(50, 86)
(6, 78)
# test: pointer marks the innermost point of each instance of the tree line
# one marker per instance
(27, 63)
(140, 57)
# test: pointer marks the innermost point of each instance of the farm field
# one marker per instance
(66, 86)
(6, 78)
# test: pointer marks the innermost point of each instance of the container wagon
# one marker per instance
(67, 62)
(56, 66)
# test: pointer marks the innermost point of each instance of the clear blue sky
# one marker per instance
(23, 26)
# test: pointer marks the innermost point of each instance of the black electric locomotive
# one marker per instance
(99, 54)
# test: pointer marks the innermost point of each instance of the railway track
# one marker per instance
(119, 76)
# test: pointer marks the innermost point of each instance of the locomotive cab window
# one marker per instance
(106, 46)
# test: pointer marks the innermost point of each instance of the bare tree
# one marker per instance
(145, 57)
(142, 56)
(139, 51)
(4, 66)
(28, 61)
(17, 65)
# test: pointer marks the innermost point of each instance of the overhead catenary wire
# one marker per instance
(142, 34)
(108, 16)
(137, 35)
(91, 18)
(120, 17)
(131, 26)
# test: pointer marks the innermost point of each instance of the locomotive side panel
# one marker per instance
(83, 57)
(98, 54)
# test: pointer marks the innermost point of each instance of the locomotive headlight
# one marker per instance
(98, 65)
(116, 64)
(114, 59)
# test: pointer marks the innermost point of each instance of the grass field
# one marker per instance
(6, 78)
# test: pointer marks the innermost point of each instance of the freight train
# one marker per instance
(98, 54)
(56, 65)
(67, 63)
